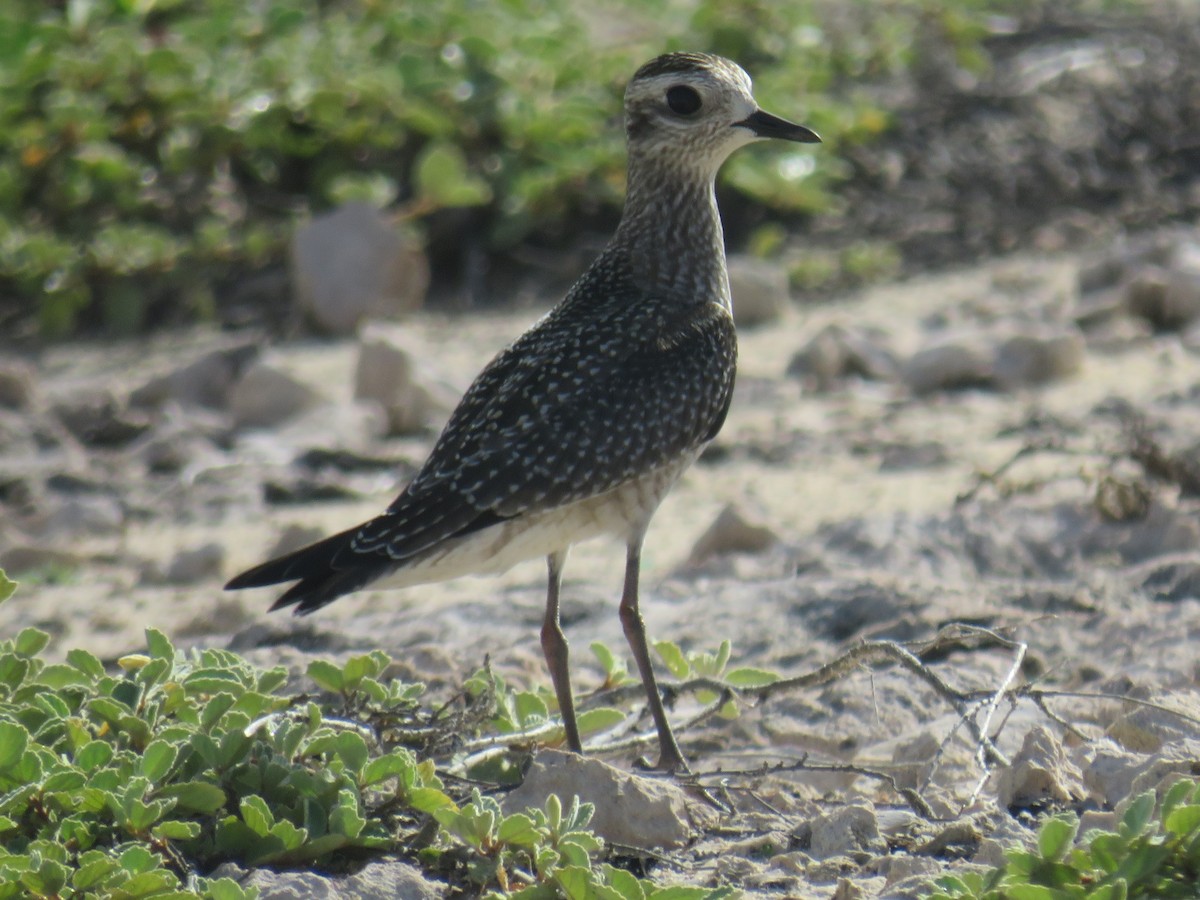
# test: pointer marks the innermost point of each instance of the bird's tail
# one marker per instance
(319, 578)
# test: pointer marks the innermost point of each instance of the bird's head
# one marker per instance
(697, 109)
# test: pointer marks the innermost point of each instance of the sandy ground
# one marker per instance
(884, 530)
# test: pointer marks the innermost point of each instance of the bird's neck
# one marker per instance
(671, 230)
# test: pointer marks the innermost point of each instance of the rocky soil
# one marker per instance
(1014, 446)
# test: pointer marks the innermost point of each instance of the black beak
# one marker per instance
(765, 125)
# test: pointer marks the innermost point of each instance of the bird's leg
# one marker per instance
(554, 646)
(669, 757)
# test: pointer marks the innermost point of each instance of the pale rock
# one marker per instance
(1174, 761)
(914, 758)
(733, 531)
(352, 264)
(952, 365)
(387, 374)
(378, 880)
(630, 810)
(99, 419)
(846, 830)
(266, 396)
(1041, 772)
(1146, 729)
(1110, 771)
(84, 514)
(759, 290)
(206, 381)
(196, 564)
(1168, 298)
(836, 353)
(1031, 359)
(16, 384)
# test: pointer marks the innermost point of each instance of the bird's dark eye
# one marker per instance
(683, 100)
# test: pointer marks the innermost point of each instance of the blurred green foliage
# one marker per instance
(151, 150)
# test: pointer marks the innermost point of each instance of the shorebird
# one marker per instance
(582, 425)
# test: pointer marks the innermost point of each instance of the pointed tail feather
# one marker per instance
(319, 581)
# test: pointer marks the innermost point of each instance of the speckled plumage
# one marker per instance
(583, 424)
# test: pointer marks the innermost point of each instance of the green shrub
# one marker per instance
(1154, 853)
(127, 783)
(153, 151)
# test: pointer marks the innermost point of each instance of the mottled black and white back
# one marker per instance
(583, 424)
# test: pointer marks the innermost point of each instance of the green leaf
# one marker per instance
(197, 796)
(601, 718)
(530, 709)
(394, 764)
(215, 707)
(227, 889)
(576, 882)
(157, 759)
(257, 815)
(86, 663)
(1056, 837)
(61, 675)
(601, 651)
(7, 586)
(159, 645)
(749, 677)
(13, 740)
(353, 751)
(30, 641)
(442, 177)
(673, 658)
(345, 817)
(678, 892)
(1137, 816)
(519, 830)
(625, 883)
(327, 676)
(1183, 820)
(357, 668)
(429, 800)
(176, 830)
(92, 872)
(93, 755)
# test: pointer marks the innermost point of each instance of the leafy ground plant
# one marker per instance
(153, 152)
(130, 782)
(1154, 853)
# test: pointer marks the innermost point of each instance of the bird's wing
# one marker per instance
(565, 413)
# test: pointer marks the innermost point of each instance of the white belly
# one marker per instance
(623, 512)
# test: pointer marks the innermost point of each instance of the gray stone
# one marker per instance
(386, 374)
(1040, 773)
(835, 353)
(1145, 729)
(953, 365)
(16, 384)
(352, 264)
(80, 514)
(266, 396)
(99, 419)
(845, 830)
(733, 531)
(1111, 771)
(1031, 359)
(630, 810)
(206, 381)
(378, 880)
(1168, 298)
(759, 290)
(196, 564)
